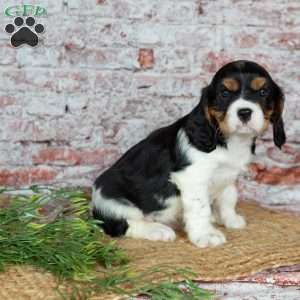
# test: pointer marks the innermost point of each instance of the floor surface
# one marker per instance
(280, 284)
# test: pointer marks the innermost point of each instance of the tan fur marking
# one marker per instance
(220, 118)
(207, 114)
(265, 126)
(257, 83)
(231, 84)
(267, 114)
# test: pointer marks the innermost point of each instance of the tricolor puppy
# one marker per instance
(185, 173)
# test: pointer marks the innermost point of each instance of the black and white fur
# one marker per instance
(185, 173)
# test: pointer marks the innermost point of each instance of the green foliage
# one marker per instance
(50, 229)
(188, 290)
(69, 247)
(145, 284)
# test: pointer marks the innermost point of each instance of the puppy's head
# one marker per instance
(243, 99)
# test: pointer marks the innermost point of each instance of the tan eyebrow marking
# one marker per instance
(231, 84)
(257, 83)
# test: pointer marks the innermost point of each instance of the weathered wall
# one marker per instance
(110, 71)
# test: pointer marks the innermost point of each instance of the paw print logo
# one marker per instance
(24, 34)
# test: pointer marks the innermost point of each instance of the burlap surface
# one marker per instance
(270, 240)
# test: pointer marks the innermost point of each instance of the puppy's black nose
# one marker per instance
(244, 114)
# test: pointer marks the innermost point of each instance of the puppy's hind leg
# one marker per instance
(112, 226)
(121, 218)
(113, 213)
(142, 229)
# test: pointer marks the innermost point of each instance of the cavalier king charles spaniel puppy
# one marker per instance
(185, 173)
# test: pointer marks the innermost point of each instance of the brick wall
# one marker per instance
(110, 71)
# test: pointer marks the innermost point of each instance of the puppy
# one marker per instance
(185, 173)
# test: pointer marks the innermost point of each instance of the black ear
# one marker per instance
(276, 118)
(202, 133)
(279, 133)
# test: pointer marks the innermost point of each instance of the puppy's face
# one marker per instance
(242, 98)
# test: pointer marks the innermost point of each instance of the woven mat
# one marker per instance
(270, 240)
(28, 283)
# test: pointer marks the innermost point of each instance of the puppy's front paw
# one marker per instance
(212, 237)
(235, 222)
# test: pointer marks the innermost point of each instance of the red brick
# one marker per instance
(102, 157)
(146, 58)
(26, 176)
(213, 61)
(71, 157)
(102, 57)
(247, 41)
(57, 156)
(6, 101)
(275, 175)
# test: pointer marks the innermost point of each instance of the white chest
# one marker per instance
(216, 169)
(234, 161)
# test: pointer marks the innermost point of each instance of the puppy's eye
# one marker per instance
(263, 92)
(225, 94)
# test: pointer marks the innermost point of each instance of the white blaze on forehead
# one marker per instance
(254, 125)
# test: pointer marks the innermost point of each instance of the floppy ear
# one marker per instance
(276, 118)
(202, 133)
